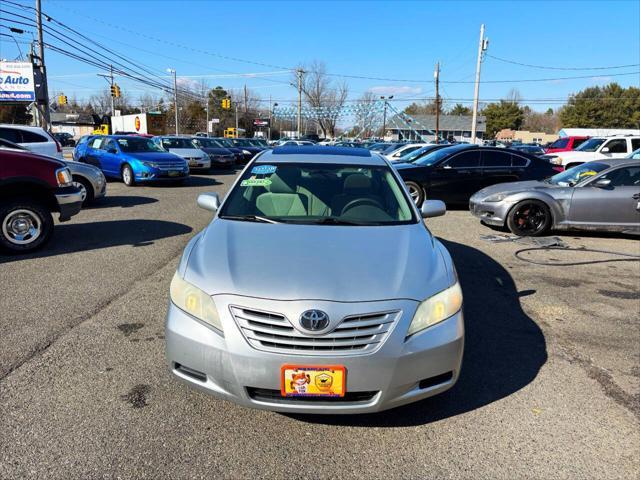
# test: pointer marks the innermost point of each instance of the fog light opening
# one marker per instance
(437, 380)
(191, 373)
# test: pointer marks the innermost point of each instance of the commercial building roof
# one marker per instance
(447, 122)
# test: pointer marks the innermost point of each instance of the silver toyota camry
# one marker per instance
(316, 288)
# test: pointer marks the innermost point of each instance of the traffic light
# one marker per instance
(226, 103)
(62, 99)
(115, 91)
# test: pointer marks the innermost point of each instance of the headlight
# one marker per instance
(246, 152)
(498, 197)
(555, 160)
(150, 164)
(194, 301)
(436, 309)
(63, 176)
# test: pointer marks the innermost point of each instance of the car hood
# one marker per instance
(578, 155)
(217, 151)
(154, 156)
(514, 187)
(324, 262)
(404, 165)
(188, 152)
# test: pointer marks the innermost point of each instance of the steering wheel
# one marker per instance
(359, 202)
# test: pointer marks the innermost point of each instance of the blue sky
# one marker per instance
(385, 39)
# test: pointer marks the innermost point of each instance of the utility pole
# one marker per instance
(436, 75)
(270, 116)
(175, 96)
(384, 116)
(207, 107)
(299, 72)
(245, 98)
(46, 117)
(236, 119)
(113, 100)
(482, 46)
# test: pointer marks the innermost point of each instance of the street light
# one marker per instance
(384, 115)
(175, 95)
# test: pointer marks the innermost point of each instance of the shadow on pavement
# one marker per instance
(191, 181)
(122, 201)
(504, 349)
(79, 237)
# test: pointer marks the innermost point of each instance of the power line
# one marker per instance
(547, 67)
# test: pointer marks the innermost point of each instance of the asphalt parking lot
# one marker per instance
(550, 385)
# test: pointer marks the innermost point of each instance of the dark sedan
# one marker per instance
(219, 155)
(454, 173)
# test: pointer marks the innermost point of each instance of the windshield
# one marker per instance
(225, 142)
(241, 142)
(437, 155)
(416, 154)
(177, 143)
(137, 144)
(590, 145)
(208, 143)
(331, 194)
(578, 174)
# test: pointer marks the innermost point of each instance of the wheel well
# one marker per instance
(29, 190)
(87, 182)
(529, 200)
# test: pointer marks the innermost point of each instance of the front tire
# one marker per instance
(86, 190)
(529, 218)
(416, 192)
(128, 177)
(25, 225)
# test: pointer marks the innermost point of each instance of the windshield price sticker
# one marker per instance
(255, 182)
(264, 169)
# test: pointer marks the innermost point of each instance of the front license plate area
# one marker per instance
(313, 381)
(174, 173)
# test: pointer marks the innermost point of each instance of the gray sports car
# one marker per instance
(600, 195)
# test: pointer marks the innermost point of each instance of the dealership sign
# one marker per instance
(16, 82)
(261, 122)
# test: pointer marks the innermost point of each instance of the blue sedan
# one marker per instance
(133, 159)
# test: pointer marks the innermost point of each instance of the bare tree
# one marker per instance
(326, 99)
(367, 114)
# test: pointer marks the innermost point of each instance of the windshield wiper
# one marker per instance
(334, 221)
(248, 218)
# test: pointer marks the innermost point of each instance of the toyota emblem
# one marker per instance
(314, 320)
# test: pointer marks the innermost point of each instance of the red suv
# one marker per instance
(31, 187)
(565, 144)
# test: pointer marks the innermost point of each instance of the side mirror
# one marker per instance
(602, 183)
(209, 201)
(432, 208)
(605, 150)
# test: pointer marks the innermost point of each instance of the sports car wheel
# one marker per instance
(416, 192)
(127, 176)
(529, 218)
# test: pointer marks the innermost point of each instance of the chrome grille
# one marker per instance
(273, 332)
(171, 166)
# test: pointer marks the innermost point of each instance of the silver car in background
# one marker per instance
(89, 179)
(184, 147)
(316, 288)
(600, 195)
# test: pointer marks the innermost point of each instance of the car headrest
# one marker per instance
(285, 181)
(357, 181)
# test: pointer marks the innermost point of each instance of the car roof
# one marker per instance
(617, 162)
(321, 154)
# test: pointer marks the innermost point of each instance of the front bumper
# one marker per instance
(491, 213)
(69, 200)
(153, 174)
(398, 372)
(200, 164)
